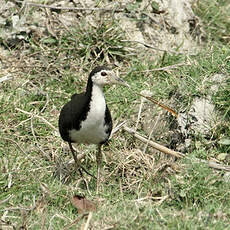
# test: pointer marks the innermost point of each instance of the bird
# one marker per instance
(86, 118)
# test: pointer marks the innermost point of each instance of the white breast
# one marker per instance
(92, 130)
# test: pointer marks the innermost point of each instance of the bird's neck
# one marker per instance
(94, 90)
(97, 103)
(97, 94)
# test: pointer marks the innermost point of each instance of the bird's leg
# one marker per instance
(77, 164)
(99, 161)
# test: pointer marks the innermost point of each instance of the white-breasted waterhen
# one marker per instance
(86, 117)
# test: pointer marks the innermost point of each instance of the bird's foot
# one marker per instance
(81, 167)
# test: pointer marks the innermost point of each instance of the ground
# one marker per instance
(177, 52)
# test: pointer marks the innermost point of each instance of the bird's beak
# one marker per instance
(120, 81)
(117, 80)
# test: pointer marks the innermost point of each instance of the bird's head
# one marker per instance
(102, 75)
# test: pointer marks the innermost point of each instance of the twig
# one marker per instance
(211, 164)
(139, 113)
(75, 221)
(47, 102)
(155, 145)
(155, 102)
(48, 24)
(115, 129)
(8, 139)
(5, 78)
(215, 165)
(162, 199)
(8, 198)
(160, 104)
(165, 67)
(152, 99)
(162, 218)
(37, 116)
(141, 199)
(166, 150)
(17, 208)
(88, 220)
(68, 8)
(151, 47)
(150, 135)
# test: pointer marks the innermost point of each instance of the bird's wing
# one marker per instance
(72, 114)
(108, 120)
(76, 95)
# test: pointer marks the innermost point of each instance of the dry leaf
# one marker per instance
(82, 204)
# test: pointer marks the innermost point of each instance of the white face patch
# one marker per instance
(103, 77)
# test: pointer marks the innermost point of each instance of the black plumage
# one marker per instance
(86, 117)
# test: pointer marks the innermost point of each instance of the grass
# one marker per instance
(139, 190)
(215, 18)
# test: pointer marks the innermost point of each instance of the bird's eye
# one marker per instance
(103, 73)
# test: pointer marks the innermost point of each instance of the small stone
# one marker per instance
(222, 156)
(227, 177)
